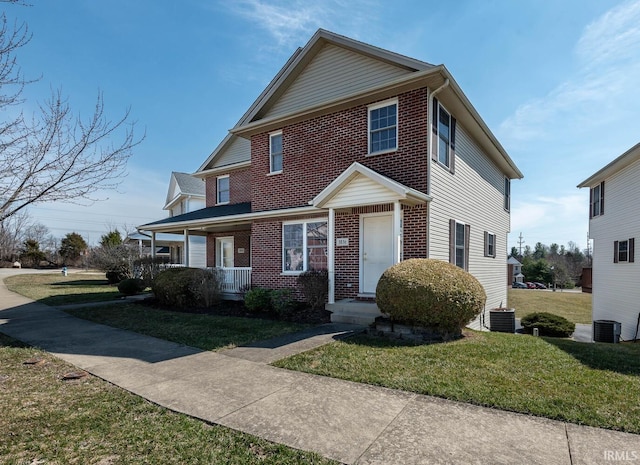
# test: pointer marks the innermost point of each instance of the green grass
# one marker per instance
(591, 384)
(47, 420)
(574, 306)
(55, 289)
(207, 332)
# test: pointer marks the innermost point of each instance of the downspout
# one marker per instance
(429, 144)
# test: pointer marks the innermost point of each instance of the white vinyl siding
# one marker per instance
(320, 82)
(360, 191)
(197, 251)
(474, 196)
(615, 285)
(237, 152)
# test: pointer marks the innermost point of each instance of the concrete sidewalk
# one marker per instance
(349, 422)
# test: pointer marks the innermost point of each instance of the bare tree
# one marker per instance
(54, 155)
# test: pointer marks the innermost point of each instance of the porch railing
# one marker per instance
(235, 280)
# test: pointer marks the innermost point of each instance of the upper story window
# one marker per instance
(459, 244)
(596, 200)
(383, 127)
(624, 251)
(507, 194)
(304, 246)
(222, 190)
(443, 126)
(275, 152)
(490, 245)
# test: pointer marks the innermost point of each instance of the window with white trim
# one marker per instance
(304, 246)
(275, 152)
(459, 244)
(222, 189)
(489, 245)
(624, 251)
(443, 127)
(596, 200)
(507, 194)
(383, 127)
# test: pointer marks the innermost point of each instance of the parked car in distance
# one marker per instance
(530, 285)
(540, 286)
(519, 286)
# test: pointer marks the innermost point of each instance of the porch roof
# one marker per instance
(359, 186)
(219, 211)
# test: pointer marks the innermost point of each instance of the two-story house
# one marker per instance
(613, 229)
(352, 159)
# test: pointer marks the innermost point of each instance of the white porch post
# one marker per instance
(186, 247)
(330, 255)
(397, 232)
(153, 244)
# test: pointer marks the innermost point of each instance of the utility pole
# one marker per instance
(520, 242)
(588, 250)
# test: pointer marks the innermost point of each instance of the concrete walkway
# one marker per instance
(350, 422)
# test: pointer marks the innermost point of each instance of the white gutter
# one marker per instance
(429, 148)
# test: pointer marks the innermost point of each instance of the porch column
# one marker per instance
(397, 232)
(331, 242)
(153, 244)
(186, 247)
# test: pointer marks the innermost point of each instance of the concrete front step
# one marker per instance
(353, 312)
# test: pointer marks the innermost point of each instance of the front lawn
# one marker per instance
(207, 332)
(56, 289)
(47, 420)
(591, 384)
(574, 306)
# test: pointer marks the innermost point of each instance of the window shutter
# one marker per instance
(495, 245)
(452, 241)
(452, 146)
(602, 198)
(631, 249)
(591, 203)
(615, 251)
(434, 130)
(467, 231)
(486, 244)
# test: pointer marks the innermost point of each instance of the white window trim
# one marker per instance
(441, 106)
(219, 242)
(456, 246)
(507, 195)
(304, 243)
(487, 252)
(271, 135)
(375, 106)
(218, 190)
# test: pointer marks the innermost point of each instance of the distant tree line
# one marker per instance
(554, 263)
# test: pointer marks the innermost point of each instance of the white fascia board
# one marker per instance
(221, 169)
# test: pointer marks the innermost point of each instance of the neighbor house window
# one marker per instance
(383, 127)
(596, 200)
(443, 126)
(304, 246)
(459, 244)
(275, 152)
(507, 194)
(489, 245)
(623, 251)
(223, 189)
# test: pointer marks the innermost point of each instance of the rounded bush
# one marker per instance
(131, 286)
(548, 324)
(180, 287)
(258, 300)
(430, 293)
(114, 277)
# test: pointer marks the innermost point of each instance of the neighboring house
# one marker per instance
(186, 194)
(352, 159)
(515, 271)
(614, 225)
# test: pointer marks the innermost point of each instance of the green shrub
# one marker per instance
(147, 268)
(258, 300)
(114, 277)
(131, 286)
(186, 287)
(314, 286)
(548, 324)
(430, 293)
(283, 303)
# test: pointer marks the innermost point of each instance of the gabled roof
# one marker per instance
(413, 74)
(361, 186)
(513, 261)
(627, 158)
(183, 184)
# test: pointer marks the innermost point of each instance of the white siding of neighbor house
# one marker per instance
(473, 195)
(616, 289)
(197, 251)
(334, 72)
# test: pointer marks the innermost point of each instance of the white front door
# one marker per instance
(224, 257)
(376, 251)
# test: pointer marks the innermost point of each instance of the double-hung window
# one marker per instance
(489, 245)
(596, 200)
(444, 136)
(222, 190)
(304, 246)
(383, 127)
(507, 194)
(624, 251)
(459, 244)
(275, 152)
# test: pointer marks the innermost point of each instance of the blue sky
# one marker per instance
(557, 83)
